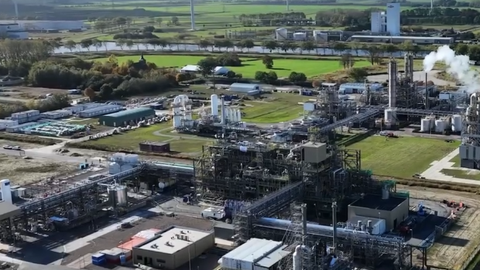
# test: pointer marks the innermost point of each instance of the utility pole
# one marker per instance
(334, 224)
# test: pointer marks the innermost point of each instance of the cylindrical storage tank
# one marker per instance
(300, 36)
(214, 104)
(21, 192)
(457, 123)
(118, 195)
(177, 121)
(432, 122)
(389, 115)
(165, 184)
(425, 125)
(281, 34)
(125, 168)
(239, 115)
(439, 126)
(231, 115)
(113, 168)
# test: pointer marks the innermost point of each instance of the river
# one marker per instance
(112, 46)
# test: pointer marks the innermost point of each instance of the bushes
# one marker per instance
(28, 139)
(144, 35)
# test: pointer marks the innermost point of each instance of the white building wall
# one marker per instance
(376, 22)
(393, 19)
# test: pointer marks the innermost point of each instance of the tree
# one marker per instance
(207, 66)
(121, 43)
(316, 84)
(248, 44)
(461, 49)
(270, 45)
(297, 77)
(106, 91)
(148, 29)
(100, 26)
(70, 44)
(389, 48)
(265, 77)
(374, 54)
(358, 74)
(159, 21)
(90, 93)
(307, 46)
(174, 20)
(86, 44)
(339, 47)
(347, 60)
(204, 44)
(97, 43)
(267, 60)
(129, 44)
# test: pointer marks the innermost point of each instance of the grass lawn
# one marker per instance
(279, 107)
(401, 157)
(283, 67)
(470, 174)
(456, 161)
(130, 140)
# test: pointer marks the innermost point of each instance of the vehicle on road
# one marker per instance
(7, 147)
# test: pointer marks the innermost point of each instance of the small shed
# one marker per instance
(190, 69)
(244, 87)
(220, 70)
(155, 147)
(126, 117)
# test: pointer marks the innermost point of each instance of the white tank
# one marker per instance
(425, 125)
(177, 121)
(473, 99)
(231, 115)
(165, 184)
(281, 34)
(126, 167)
(113, 168)
(239, 115)
(439, 126)
(214, 104)
(132, 159)
(457, 123)
(300, 36)
(118, 195)
(389, 115)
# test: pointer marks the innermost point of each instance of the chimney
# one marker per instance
(392, 84)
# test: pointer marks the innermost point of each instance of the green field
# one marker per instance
(280, 108)
(283, 67)
(401, 157)
(130, 140)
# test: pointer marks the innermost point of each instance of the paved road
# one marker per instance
(417, 75)
(434, 172)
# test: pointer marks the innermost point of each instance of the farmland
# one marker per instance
(283, 67)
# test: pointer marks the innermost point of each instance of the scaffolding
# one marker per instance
(244, 171)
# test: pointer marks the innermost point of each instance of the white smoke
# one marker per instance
(457, 65)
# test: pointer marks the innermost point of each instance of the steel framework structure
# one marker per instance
(240, 172)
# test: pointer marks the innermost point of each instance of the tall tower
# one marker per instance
(192, 15)
(393, 19)
(392, 84)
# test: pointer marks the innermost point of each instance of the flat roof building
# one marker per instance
(401, 39)
(173, 247)
(393, 210)
(124, 118)
(260, 254)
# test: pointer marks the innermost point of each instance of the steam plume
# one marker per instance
(457, 65)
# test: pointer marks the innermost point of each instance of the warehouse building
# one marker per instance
(246, 88)
(401, 39)
(393, 210)
(173, 247)
(127, 117)
(358, 88)
(261, 254)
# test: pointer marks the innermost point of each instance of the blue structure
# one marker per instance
(99, 259)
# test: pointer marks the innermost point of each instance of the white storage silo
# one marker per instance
(281, 34)
(299, 36)
(125, 168)
(297, 258)
(239, 115)
(230, 114)
(390, 115)
(6, 191)
(214, 104)
(113, 168)
(457, 123)
(439, 126)
(425, 125)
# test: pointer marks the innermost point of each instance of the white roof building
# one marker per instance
(219, 70)
(357, 88)
(255, 254)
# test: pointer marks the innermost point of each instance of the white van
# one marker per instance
(212, 213)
